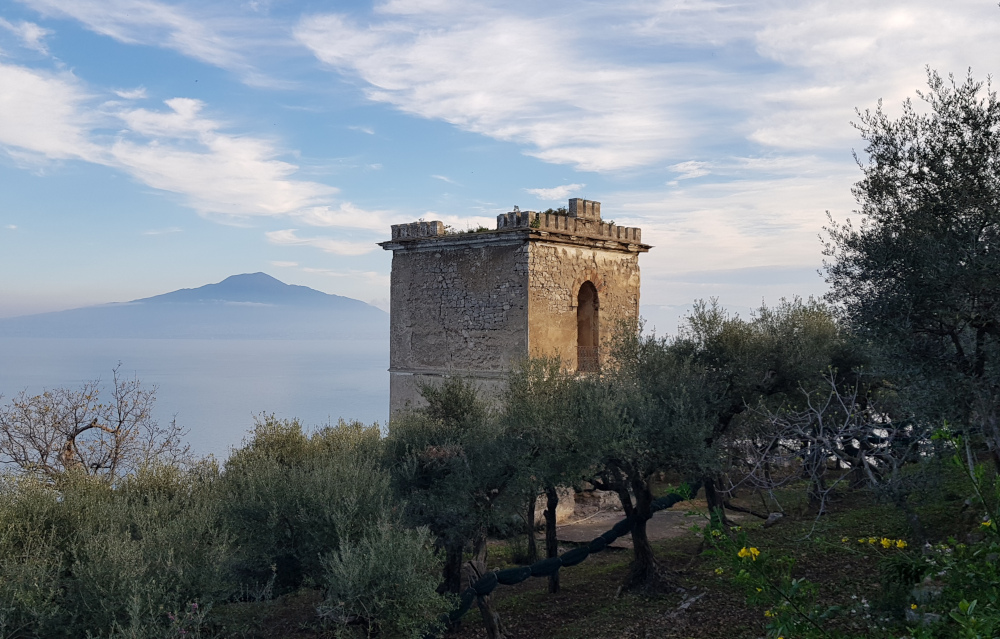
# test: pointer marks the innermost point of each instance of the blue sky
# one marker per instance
(147, 146)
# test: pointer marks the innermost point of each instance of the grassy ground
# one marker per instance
(704, 604)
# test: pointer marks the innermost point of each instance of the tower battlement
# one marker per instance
(568, 223)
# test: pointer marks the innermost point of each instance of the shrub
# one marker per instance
(84, 558)
(385, 582)
(290, 497)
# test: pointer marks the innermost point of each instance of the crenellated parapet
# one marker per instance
(417, 229)
(579, 224)
(582, 220)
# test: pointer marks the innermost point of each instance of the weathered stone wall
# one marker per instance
(472, 304)
(458, 307)
(556, 273)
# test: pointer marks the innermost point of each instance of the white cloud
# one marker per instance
(763, 223)
(12, 227)
(522, 79)
(362, 129)
(288, 237)
(30, 34)
(371, 275)
(283, 264)
(198, 32)
(179, 149)
(556, 192)
(42, 115)
(348, 216)
(138, 93)
(217, 173)
(780, 74)
(690, 169)
(840, 55)
(443, 178)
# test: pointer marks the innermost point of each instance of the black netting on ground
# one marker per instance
(487, 583)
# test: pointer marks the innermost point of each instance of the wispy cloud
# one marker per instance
(690, 169)
(362, 129)
(178, 149)
(30, 34)
(443, 178)
(513, 77)
(198, 32)
(182, 151)
(283, 264)
(11, 227)
(44, 115)
(556, 192)
(138, 93)
(288, 237)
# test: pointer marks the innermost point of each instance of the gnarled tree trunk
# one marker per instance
(529, 520)
(472, 571)
(644, 573)
(551, 542)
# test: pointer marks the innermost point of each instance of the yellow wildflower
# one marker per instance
(886, 542)
(751, 552)
(987, 523)
(843, 540)
(900, 544)
(768, 613)
(872, 540)
(759, 589)
(719, 571)
(913, 606)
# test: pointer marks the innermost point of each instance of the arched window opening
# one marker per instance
(587, 329)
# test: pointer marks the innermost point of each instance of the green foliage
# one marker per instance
(768, 358)
(792, 608)
(290, 497)
(87, 558)
(450, 464)
(960, 585)
(918, 276)
(541, 418)
(656, 415)
(385, 583)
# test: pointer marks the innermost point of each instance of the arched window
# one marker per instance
(587, 329)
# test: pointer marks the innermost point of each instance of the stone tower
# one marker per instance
(474, 303)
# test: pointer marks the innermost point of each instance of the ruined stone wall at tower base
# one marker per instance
(556, 273)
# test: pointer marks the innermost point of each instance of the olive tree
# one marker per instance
(762, 364)
(918, 276)
(453, 468)
(651, 413)
(541, 409)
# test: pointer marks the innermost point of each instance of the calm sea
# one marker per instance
(215, 387)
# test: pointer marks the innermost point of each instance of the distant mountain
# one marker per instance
(248, 306)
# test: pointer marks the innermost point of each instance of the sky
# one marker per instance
(148, 145)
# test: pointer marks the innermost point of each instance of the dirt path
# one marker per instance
(665, 524)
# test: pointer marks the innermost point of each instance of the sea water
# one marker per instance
(215, 388)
